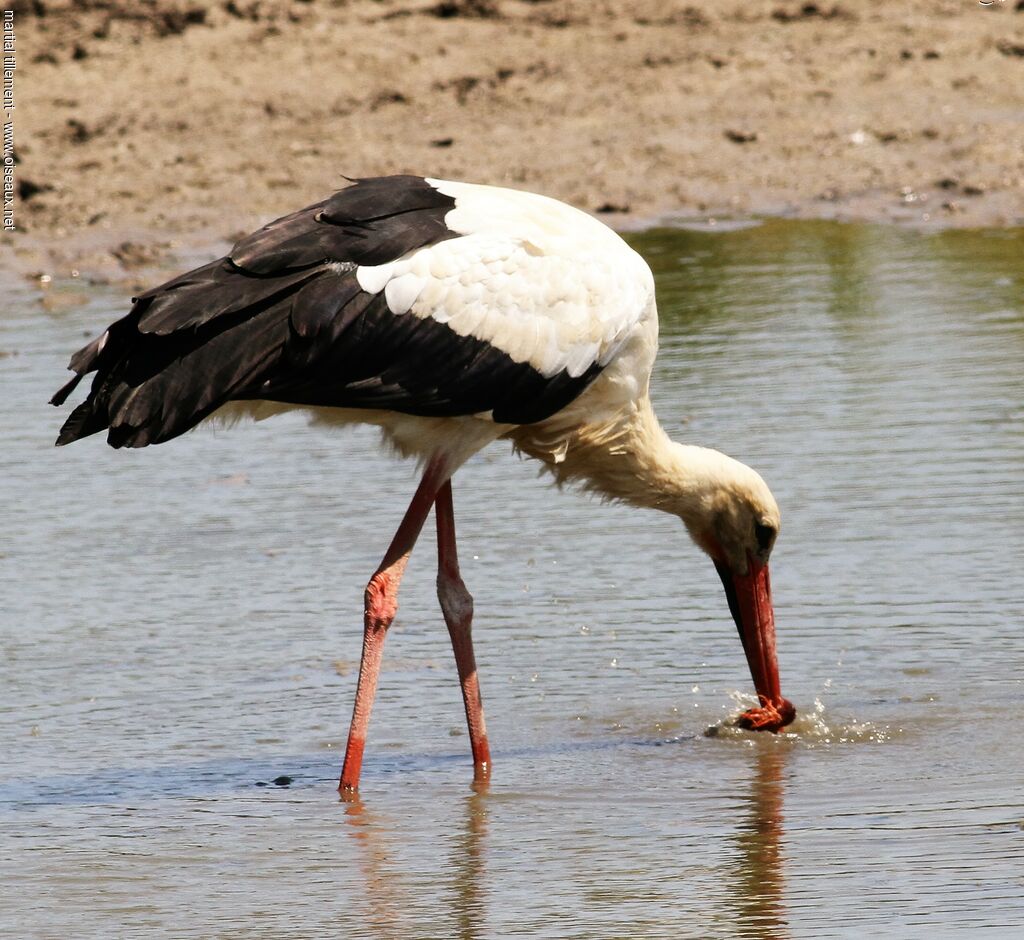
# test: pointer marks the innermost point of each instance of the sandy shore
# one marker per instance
(146, 130)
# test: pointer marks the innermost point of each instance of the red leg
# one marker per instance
(381, 605)
(457, 606)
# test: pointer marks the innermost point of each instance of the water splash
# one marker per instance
(812, 727)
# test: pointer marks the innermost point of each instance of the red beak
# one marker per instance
(750, 600)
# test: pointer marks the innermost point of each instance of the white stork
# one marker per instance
(449, 315)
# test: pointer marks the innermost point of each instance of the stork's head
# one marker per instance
(735, 519)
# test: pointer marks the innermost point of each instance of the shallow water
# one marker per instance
(181, 626)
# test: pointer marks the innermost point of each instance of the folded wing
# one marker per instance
(365, 300)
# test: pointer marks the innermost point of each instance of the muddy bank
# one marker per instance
(145, 130)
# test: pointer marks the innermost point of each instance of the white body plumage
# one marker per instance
(542, 281)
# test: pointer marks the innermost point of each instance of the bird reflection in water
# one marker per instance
(389, 905)
(385, 909)
(760, 836)
(468, 868)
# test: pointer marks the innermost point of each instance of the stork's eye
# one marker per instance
(765, 535)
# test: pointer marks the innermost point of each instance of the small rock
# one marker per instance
(250, 12)
(137, 254)
(461, 86)
(78, 132)
(1007, 47)
(740, 137)
(387, 97)
(27, 188)
(690, 16)
(175, 22)
(807, 11)
(471, 9)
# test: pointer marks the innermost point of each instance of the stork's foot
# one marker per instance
(349, 783)
(348, 793)
(482, 768)
(770, 716)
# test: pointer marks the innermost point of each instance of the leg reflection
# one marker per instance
(468, 867)
(385, 909)
(389, 900)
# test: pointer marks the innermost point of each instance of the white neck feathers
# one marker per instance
(633, 460)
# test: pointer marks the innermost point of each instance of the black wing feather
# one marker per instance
(211, 292)
(283, 318)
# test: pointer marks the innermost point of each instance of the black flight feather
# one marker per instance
(283, 318)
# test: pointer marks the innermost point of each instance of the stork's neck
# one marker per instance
(634, 461)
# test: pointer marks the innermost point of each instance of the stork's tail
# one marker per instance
(185, 349)
(87, 418)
